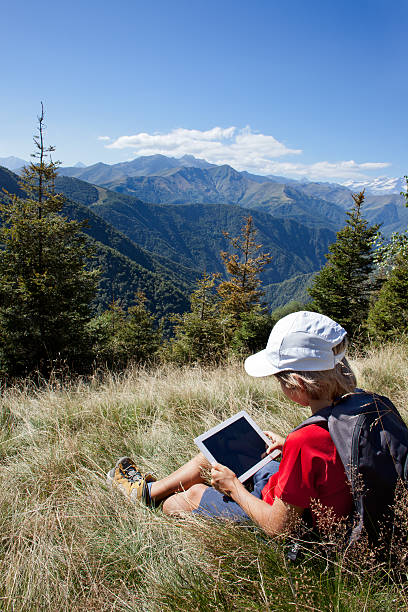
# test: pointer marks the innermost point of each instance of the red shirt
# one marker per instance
(310, 469)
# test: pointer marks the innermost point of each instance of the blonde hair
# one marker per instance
(323, 383)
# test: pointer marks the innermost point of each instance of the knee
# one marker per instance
(201, 460)
(187, 501)
(195, 493)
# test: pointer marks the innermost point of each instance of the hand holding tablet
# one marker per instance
(276, 441)
(239, 444)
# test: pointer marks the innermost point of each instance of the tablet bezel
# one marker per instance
(200, 442)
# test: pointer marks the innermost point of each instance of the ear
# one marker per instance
(301, 396)
(299, 381)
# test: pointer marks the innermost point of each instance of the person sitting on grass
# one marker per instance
(306, 354)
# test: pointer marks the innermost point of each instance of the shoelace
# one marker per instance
(130, 473)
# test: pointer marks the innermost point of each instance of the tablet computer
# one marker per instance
(237, 443)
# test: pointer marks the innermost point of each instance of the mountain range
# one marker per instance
(153, 164)
(157, 223)
(166, 180)
(191, 235)
(378, 186)
(12, 163)
(126, 267)
(163, 249)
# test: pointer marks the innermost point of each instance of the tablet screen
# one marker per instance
(238, 446)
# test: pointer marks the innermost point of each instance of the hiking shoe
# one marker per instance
(127, 477)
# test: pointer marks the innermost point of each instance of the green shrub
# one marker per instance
(124, 336)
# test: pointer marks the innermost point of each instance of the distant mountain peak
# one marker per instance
(159, 165)
(381, 185)
(12, 163)
(196, 162)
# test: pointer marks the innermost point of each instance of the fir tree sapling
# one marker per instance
(227, 316)
(123, 336)
(201, 334)
(242, 290)
(241, 293)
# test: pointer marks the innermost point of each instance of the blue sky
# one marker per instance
(293, 87)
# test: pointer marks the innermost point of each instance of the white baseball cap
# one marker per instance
(301, 341)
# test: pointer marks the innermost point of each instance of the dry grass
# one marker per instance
(69, 543)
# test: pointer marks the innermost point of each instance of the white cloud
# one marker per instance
(243, 149)
(216, 145)
(104, 137)
(327, 171)
(177, 142)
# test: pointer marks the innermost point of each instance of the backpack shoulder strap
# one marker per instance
(344, 420)
(320, 418)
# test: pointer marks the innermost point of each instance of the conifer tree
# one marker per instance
(125, 336)
(388, 248)
(253, 331)
(404, 193)
(241, 292)
(388, 316)
(201, 334)
(45, 287)
(343, 287)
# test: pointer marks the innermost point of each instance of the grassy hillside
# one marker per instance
(69, 543)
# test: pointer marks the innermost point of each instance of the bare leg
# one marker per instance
(180, 480)
(184, 502)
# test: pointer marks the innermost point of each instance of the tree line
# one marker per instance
(47, 288)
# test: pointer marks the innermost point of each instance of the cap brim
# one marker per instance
(260, 365)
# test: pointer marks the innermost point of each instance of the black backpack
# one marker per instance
(372, 441)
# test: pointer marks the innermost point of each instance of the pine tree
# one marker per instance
(45, 287)
(125, 336)
(342, 289)
(404, 193)
(201, 334)
(241, 292)
(253, 331)
(388, 316)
